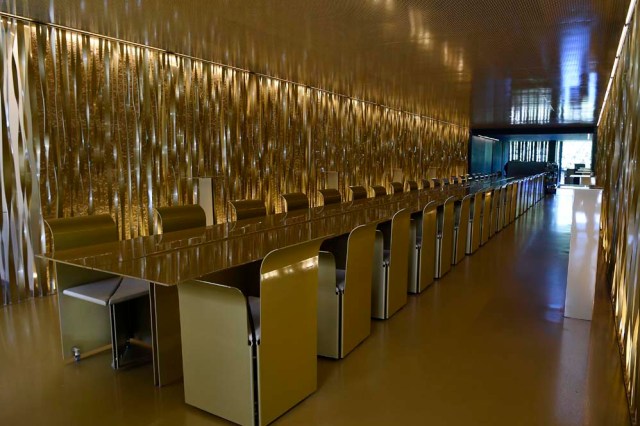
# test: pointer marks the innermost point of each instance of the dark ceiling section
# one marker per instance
(486, 63)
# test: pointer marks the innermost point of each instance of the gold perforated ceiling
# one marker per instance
(484, 62)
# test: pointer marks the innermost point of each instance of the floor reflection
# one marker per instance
(486, 345)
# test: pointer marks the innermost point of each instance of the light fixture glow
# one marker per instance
(623, 37)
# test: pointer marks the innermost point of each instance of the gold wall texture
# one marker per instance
(95, 125)
(618, 171)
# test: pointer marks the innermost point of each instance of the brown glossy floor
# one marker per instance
(486, 345)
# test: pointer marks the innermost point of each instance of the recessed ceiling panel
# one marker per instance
(484, 63)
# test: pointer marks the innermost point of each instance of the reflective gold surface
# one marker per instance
(618, 173)
(490, 62)
(100, 126)
(489, 336)
(179, 256)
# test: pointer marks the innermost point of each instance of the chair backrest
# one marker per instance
(295, 201)
(81, 231)
(428, 232)
(378, 191)
(462, 213)
(436, 183)
(358, 192)
(356, 306)
(426, 184)
(246, 209)
(77, 232)
(514, 200)
(399, 261)
(446, 223)
(445, 182)
(475, 219)
(178, 218)
(413, 185)
(330, 196)
(397, 187)
(287, 351)
(454, 180)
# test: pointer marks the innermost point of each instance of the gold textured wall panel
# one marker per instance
(618, 171)
(94, 125)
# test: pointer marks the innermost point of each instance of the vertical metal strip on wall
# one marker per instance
(618, 157)
(93, 125)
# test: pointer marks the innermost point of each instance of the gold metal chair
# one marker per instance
(246, 209)
(424, 260)
(165, 311)
(514, 204)
(509, 203)
(461, 228)
(495, 211)
(378, 191)
(344, 291)
(487, 202)
(330, 196)
(389, 291)
(397, 187)
(475, 223)
(97, 310)
(502, 208)
(178, 218)
(358, 193)
(521, 190)
(250, 359)
(295, 201)
(444, 247)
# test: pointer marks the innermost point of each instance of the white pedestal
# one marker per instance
(398, 175)
(205, 198)
(332, 180)
(583, 252)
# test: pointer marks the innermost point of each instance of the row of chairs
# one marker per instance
(111, 293)
(359, 276)
(338, 283)
(115, 293)
(245, 209)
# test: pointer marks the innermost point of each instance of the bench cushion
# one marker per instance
(130, 288)
(98, 292)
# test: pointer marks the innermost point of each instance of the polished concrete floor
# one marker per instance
(486, 345)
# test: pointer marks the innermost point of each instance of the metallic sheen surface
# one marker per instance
(618, 172)
(485, 62)
(92, 125)
(173, 258)
(485, 346)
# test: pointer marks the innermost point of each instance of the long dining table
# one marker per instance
(167, 260)
(171, 258)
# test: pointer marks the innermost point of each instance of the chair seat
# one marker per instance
(254, 308)
(341, 275)
(98, 292)
(130, 288)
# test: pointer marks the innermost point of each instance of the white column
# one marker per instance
(583, 252)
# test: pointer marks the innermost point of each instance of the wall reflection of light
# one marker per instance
(531, 106)
(574, 67)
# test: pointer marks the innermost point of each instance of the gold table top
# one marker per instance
(175, 257)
